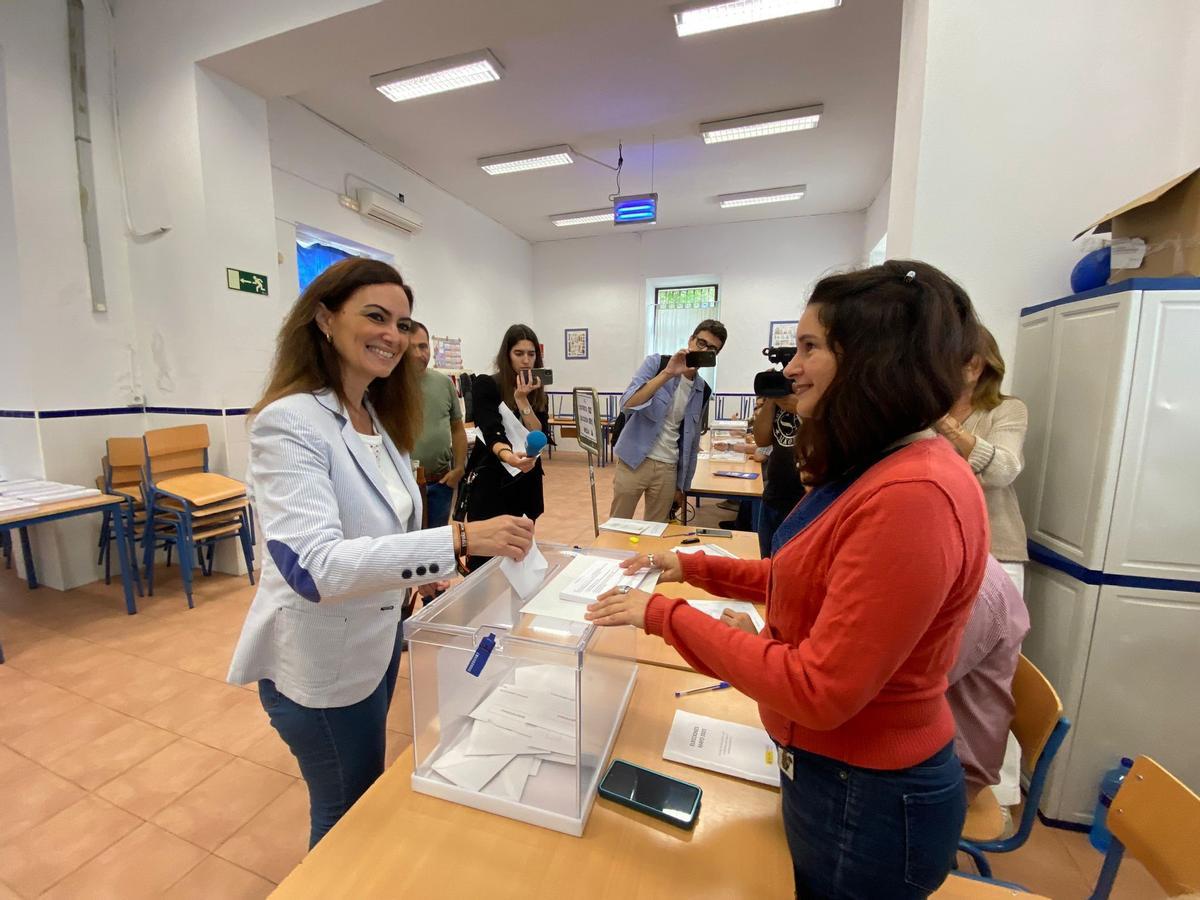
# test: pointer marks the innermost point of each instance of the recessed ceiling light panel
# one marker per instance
(440, 75)
(778, 122)
(770, 195)
(586, 217)
(558, 155)
(705, 15)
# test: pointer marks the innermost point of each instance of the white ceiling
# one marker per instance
(590, 74)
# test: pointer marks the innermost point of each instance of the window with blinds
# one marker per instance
(677, 312)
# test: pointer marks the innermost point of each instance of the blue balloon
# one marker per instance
(1092, 271)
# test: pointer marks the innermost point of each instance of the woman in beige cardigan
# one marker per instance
(987, 428)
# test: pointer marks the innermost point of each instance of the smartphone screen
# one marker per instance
(673, 799)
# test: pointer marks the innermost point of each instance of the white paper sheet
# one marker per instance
(527, 575)
(516, 434)
(470, 772)
(714, 608)
(548, 601)
(509, 783)
(710, 549)
(635, 526)
(727, 747)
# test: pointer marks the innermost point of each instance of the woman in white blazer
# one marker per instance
(341, 513)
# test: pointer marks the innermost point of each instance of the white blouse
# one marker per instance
(402, 501)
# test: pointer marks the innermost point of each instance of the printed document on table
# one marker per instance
(549, 601)
(635, 526)
(726, 747)
(710, 549)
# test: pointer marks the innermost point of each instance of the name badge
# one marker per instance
(785, 762)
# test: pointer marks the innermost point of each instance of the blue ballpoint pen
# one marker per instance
(719, 686)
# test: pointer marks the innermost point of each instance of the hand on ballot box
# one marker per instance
(620, 606)
(667, 563)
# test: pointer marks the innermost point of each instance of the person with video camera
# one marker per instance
(776, 426)
(659, 432)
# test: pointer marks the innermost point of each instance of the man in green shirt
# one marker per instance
(442, 447)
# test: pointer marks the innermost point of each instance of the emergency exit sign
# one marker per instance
(251, 282)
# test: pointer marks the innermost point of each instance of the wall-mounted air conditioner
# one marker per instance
(387, 211)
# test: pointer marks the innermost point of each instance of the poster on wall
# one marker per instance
(447, 352)
(576, 340)
(783, 334)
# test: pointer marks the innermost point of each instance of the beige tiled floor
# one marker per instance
(129, 769)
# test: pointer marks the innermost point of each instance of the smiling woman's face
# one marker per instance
(814, 365)
(370, 331)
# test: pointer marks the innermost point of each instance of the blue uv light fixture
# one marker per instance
(635, 209)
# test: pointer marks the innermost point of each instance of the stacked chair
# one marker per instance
(122, 477)
(188, 507)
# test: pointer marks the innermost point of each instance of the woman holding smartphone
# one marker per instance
(501, 479)
(868, 589)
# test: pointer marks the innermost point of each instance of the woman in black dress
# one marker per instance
(512, 391)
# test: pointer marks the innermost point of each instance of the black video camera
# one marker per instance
(772, 382)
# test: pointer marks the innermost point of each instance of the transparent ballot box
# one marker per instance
(527, 736)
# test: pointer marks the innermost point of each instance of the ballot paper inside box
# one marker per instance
(530, 735)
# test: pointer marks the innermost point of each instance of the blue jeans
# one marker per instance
(438, 498)
(340, 750)
(860, 834)
(769, 520)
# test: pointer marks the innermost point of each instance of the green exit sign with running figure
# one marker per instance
(246, 281)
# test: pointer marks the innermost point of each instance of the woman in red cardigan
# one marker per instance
(868, 588)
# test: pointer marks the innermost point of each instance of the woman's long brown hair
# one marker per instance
(506, 375)
(306, 362)
(987, 389)
(901, 343)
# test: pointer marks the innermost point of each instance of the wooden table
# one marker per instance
(396, 843)
(653, 649)
(707, 484)
(65, 509)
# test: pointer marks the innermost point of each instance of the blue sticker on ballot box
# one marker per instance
(480, 657)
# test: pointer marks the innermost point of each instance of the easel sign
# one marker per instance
(587, 429)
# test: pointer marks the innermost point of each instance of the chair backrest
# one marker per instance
(1037, 712)
(124, 461)
(176, 451)
(1157, 818)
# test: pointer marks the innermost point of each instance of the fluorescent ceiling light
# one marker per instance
(770, 195)
(586, 217)
(440, 75)
(635, 209)
(695, 18)
(559, 155)
(779, 122)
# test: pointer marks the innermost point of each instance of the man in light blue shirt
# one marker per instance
(663, 407)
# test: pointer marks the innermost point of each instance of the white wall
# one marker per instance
(766, 270)
(875, 224)
(472, 276)
(199, 151)
(1016, 129)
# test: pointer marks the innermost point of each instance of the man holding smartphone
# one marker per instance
(658, 445)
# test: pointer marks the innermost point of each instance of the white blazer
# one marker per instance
(323, 622)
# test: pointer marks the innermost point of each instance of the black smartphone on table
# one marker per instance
(545, 375)
(701, 359)
(674, 801)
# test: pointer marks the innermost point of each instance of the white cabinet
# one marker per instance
(1110, 498)
(1157, 505)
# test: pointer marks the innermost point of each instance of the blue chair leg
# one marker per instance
(184, 540)
(978, 857)
(247, 547)
(103, 542)
(149, 545)
(212, 549)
